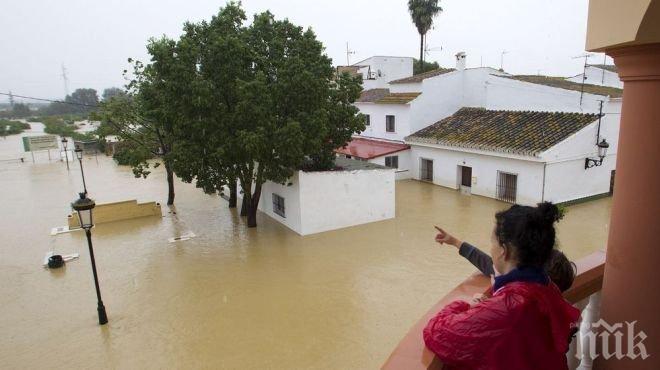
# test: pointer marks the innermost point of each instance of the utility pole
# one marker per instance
(348, 55)
(66, 81)
(11, 99)
(602, 81)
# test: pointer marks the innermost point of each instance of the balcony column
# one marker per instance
(630, 287)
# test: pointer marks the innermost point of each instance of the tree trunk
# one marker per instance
(244, 206)
(170, 185)
(254, 206)
(233, 197)
(421, 53)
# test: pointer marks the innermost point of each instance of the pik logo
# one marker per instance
(612, 336)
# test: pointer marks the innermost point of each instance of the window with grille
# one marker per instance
(278, 205)
(426, 170)
(507, 186)
(367, 120)
(389, 124)
(392, 162)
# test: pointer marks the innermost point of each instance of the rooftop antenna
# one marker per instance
(586, 56)
(66, 81)
(502, 59)
(348, 55)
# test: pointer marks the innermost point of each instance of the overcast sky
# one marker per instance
(93, 39)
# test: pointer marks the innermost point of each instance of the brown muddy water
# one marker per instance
(230, 298)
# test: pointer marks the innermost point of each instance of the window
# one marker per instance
(389, 124)
(367, 120)
(426, 170)
(507, 185)
(392, 162)
(278, 205)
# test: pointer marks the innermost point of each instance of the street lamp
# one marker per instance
(79, 155)
(84, 207)
(65, 143)
(602, 152)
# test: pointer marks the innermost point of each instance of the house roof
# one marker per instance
(383, 96)
(562, 83)
(370, 148)
(423, 76)
(607, 67)
(519, 132)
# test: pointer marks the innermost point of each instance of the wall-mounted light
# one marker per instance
(602, 152)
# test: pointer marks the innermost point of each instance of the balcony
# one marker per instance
(412, 354)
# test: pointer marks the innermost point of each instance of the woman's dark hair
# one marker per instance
(529, 231)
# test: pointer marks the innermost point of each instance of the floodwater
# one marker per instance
(232, 297)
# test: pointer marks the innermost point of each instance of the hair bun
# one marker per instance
(549, 213)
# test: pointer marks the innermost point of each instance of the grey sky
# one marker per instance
(93, 39)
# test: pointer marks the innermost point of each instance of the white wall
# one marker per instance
(598, 76)
(509, 94)
(291, 195)
(386, 69)
(377, 112)
(329, 200)
(484, 170)
(336, 199)
(404, 171)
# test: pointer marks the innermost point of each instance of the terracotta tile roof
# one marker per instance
(520, 132)
(370, 96)
(398, 98)
(383, 96)
(561, 83)
(423, 76)
(370, 148)
(607, 67)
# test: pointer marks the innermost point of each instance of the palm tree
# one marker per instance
(422, 13)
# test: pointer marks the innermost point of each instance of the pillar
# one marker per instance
(631, 286)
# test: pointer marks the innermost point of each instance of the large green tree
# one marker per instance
(260, 102)
(422, 13)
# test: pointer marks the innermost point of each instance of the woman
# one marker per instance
(526, 324)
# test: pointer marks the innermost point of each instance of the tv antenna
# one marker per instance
(586, 56)
(502, 59)
(66, 81)
(349, 52)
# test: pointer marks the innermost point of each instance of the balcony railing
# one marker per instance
(412, 354)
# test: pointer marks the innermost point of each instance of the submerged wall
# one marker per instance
(330, 200)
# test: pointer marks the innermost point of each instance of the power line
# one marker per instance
(49, 100)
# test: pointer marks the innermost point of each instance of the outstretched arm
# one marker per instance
(478, 258)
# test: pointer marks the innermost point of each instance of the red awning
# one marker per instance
(370, 148)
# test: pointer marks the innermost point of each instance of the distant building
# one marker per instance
(599, 74)
(378, 71)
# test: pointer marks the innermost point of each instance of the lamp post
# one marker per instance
(79, 155)
(65, 143)
(602, 152)
(84, 207)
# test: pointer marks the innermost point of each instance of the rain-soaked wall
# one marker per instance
(330, 200)
(485, 170)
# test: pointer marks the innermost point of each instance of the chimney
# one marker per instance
(460, 60)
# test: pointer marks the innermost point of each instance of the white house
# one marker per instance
(599, 74)
(413, 103)
(518, 156)
(356, 193)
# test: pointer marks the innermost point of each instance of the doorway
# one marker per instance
(426, 170)
(465, 179)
